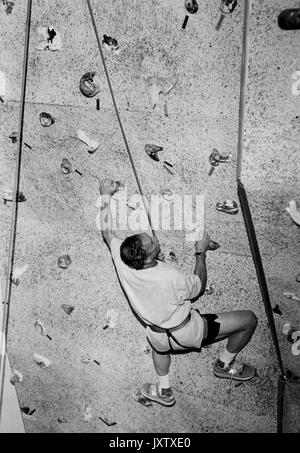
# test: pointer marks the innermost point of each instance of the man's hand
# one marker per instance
(109, 186)
(202, 246)
(161, 256)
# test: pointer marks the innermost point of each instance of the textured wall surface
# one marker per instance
(59, 216)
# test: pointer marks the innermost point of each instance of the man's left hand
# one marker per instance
(108, 186)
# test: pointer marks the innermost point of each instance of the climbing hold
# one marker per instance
(9, 196)
(210, 290)
(213, 245)
(228, 206)
(294, 213)
(41, 361)
(289, 19)
(139, 398)
(87, 413)
(66, 166)
(16, 377)
(146, 349)
(62, 420)
(88, 86)
(18, 272)
(298, 278)
(38, 323)
(14, 137)
(68, 308)
(296, 348)
(191, 6)
(111, 318)
(152, 151)
(28, 413)
(156, 85)
(294, 336)
(228, 6)
(168, 195)
(107, 419)
(46, 119)
(91, 144)
(64, 261)
(291, 295)
(173, 257)
(9, 7)
(286, 328)
(51, 39)
(277, 310)
(111, 44)
(86, 359)
(216, 158)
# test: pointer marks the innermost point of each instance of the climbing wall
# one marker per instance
(95, 369)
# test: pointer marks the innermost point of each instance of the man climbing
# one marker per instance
(162, 296)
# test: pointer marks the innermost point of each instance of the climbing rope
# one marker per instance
(119, 118)
(13, 229)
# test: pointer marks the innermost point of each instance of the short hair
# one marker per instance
(132, 252)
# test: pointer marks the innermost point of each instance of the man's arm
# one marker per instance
(200, 267)
(107, 188)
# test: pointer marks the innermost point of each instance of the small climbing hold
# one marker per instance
(66, 166)
(156, 85)
(289, 19)
(88, 86)
(216, 158)
(191, 6)
(168, 195)
(46, 119)
(111, 318)
(86, 359)
(91, 144)
(39, 324)
(68, 308)
(139, 398)
(107, 419)
(62, 420)
(298, 278)
(294, 336)
(8, 195)
(296, 348)
(41, 361)
(111, 44)
(294, 213)
(9, 7)
(16, 377)
(152, 151)
(146, 349)
(228, 6)
(87, 413)
(18, 271)
(210, 290)
(51, 39)
(277, 310)
(228, 206)
(14, 137)
(64, 261)
(286, 328)
(213, 245)
(173, 257)
(28, 413)
(290, 295)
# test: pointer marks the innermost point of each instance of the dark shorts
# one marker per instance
(212, 328)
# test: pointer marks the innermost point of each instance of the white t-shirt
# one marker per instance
(159, 295)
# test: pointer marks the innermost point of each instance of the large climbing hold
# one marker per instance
(51, 39)
(92, 145)
(191, 6)
(88, 86)
(228, 206)
(152, 150)
(46, 119)
(111, 44)
(156, 85)
(289, 19)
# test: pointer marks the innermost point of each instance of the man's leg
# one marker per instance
(238, 327)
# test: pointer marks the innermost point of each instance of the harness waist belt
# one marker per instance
(172, 329)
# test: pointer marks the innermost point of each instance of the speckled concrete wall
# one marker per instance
(59, 216)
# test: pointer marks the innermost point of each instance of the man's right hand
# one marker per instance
(109, 187)
(202, 246)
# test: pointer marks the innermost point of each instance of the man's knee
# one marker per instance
(251, 320)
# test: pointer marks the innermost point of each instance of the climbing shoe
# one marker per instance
(238, 372)
(165, 397)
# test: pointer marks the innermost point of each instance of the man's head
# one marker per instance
(139, 251)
